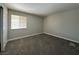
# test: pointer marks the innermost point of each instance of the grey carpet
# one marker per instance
(42, 44)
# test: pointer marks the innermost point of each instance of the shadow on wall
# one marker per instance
(1, 26)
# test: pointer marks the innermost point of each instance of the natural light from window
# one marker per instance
(18, 22)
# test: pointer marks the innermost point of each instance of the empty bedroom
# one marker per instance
(39, 29)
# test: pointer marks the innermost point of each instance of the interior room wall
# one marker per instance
(34, 25)
(63, 24)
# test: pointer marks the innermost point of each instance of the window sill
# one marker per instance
(18, 29)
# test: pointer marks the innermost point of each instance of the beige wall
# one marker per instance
(65, 24)
(34, 25)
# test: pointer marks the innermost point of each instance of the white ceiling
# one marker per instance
(42, 9)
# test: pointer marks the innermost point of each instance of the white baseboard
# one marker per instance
(23, 37)
(41, 33)
(62, 37)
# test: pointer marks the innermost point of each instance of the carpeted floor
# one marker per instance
(42, 44)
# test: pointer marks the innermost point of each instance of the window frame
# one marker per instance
(19, 27)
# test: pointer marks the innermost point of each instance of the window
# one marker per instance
(18, 22)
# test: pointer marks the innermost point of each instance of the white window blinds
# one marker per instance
(18, 22)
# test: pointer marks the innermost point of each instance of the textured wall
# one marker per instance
(34, 25)
(64, 24)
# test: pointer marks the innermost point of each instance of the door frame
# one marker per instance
(4, 27)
